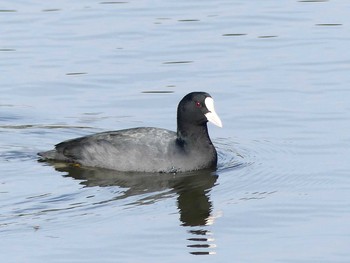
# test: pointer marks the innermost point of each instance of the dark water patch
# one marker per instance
(234, 35)
(328, 24)
(51, 10)
(188, 20)
(177, 62)
(75, 73)
(7, 10)
(7, 49)
(267, 36)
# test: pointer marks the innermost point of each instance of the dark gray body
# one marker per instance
(138, 149)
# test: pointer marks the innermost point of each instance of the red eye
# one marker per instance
(198, 104)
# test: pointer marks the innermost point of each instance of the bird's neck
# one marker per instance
(190, 133)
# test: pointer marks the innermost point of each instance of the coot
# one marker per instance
(147, 149)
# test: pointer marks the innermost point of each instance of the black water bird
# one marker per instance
(147, 149)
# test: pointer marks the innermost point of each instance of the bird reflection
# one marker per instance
(193, 201)
(192, 189)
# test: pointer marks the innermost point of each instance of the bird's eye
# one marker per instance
(198, 104)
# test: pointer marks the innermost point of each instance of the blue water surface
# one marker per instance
(279, 74)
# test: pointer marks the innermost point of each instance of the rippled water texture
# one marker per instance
(279, 74)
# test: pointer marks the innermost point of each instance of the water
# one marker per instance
(278, 71)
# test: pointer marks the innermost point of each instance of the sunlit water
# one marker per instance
(279, 75)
